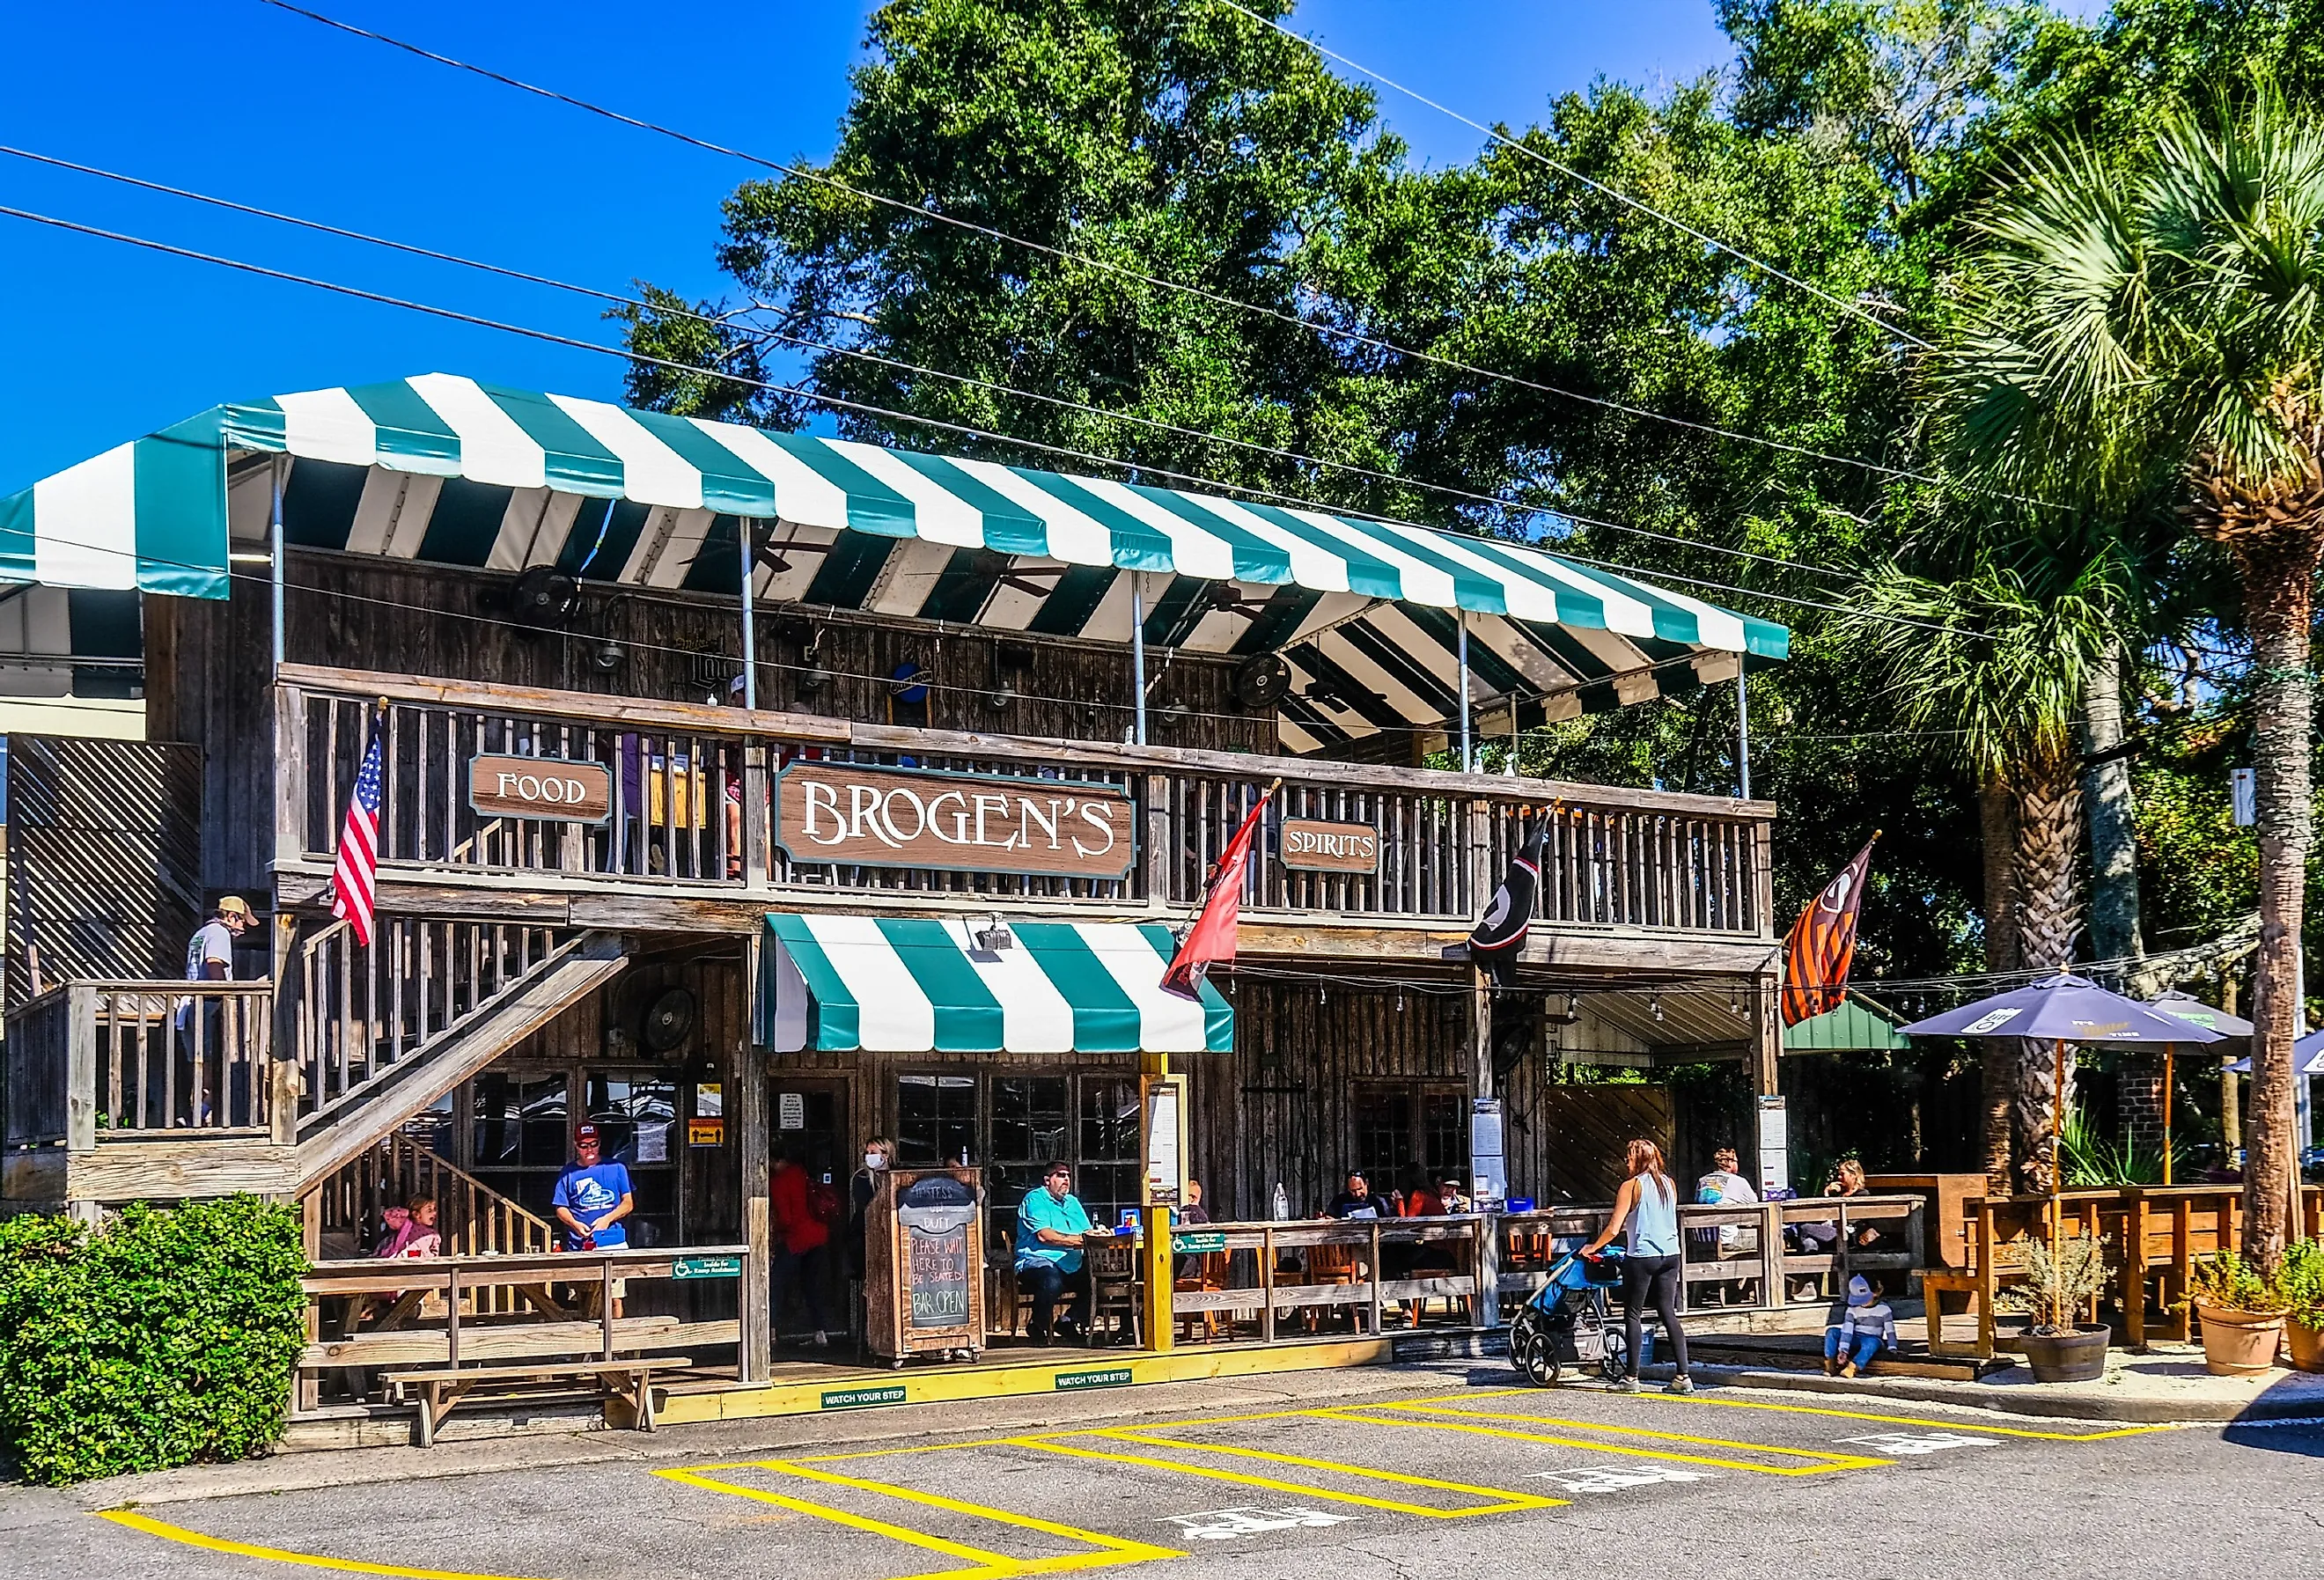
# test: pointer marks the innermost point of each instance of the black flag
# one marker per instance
(1501, 934)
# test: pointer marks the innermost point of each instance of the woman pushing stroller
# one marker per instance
(1646, 1211)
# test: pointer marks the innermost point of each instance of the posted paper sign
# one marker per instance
(1774, 1146)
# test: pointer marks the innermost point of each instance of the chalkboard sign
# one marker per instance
(923, 1263)
(938, 1214)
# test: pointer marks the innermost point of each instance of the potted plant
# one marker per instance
(2242, 1313)
(2300, 1280)
(2055, 1291)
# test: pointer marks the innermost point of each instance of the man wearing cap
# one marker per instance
(591, 1197)
(209, 957)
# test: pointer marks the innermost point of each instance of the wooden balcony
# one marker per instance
(687, 841)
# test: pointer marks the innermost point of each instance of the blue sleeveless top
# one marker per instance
(1654, 1220)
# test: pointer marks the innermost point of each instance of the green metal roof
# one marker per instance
(1853, 1028)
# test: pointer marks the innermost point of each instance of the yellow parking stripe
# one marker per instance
(1498, 1500)
(242, 1549)
(1572, 1424)
(1956, 1424)
(1835, 1462)
(1111, 1550)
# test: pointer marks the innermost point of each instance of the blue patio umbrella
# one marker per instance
(2307, 1056)
(2188, 1008)
(2060, 1010)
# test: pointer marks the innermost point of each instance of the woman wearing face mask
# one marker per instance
(879, 1154)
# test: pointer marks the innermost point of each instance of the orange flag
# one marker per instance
(1822, 944)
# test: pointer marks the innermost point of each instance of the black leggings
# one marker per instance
(1658, 1274)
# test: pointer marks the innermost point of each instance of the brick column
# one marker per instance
(2139, 1101)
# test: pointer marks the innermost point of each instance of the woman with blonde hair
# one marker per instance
(1646, 1212)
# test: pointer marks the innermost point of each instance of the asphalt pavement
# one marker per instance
(1424, 1471)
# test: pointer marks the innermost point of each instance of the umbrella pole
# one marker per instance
(2057, 1150)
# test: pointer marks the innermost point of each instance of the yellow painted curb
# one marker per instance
(873, 1390)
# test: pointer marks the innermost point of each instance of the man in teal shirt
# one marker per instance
(1051, 1223)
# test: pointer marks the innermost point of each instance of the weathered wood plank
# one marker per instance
(160, 1169)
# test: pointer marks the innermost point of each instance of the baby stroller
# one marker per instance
(1565, 1323)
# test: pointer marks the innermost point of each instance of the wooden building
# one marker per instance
(948, 695)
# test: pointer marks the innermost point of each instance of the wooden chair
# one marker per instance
(1334, 1266)
(1206, 1274)
(1113, 1274)
(1004, 1310)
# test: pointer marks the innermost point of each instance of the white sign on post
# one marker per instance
(1774, 1146)
(1487, 1166)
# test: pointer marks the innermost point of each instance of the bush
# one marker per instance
(2300, 1278)
(2055, 1292)
(166, 1337)
(2226, 1281)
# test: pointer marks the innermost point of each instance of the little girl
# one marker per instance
(1858, 1329)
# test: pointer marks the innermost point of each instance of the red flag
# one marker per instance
(1212, 936)
(1822, 944)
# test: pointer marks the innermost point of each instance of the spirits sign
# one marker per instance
(1309, 847)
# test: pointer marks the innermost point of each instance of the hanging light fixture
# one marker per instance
(1655, 1005)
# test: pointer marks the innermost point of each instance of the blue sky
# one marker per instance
(101, 342)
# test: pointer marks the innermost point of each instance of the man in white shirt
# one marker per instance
(204, 1062)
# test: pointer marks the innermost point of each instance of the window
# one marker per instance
(1401, 1126)
(518, 1135)
(1012, 1126)
(936, 1121)
(626, 1110)
(1032, 1127)
(1108, 1180)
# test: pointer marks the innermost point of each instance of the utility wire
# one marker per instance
(572, 342)
(715, 320)
(927, 211)
(1857, 308)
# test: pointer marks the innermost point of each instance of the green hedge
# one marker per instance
(166, 1337)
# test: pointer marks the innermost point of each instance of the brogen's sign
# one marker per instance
(890, 817)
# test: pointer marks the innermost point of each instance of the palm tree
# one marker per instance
(1997, 661)
(2157, 329)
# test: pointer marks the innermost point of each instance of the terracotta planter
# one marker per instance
(2240, 1344)
(2079, 1356)
(2307, 1346)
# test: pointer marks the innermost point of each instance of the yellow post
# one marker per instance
(1161, 1327)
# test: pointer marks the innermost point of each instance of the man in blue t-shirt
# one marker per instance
(592, 1199)
(1051, 1225)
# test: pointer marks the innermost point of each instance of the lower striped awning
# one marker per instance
(890, 984)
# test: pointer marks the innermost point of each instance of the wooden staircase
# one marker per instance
(345, 1211)
(383, 1032)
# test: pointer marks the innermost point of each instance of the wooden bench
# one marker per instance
(439, 1391)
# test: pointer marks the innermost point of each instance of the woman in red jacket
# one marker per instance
(802, 1241)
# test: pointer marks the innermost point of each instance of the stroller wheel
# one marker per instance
(1616, 1362)
(1537, 1358)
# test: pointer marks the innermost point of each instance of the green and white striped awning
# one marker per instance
(890, 984)
(442, 469)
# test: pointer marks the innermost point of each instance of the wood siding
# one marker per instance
(103, 871)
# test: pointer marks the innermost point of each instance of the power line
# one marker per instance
(594, 292)
(1857, 308)
(554, 338)
(928, 211)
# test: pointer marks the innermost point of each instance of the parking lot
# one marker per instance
(1372, 1483)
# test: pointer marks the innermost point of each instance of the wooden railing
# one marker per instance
(345, 1213)
(1267, 1275)
(124, 1058)
(690, 787)
(361, 1011)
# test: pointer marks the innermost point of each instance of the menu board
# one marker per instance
(937, 1214)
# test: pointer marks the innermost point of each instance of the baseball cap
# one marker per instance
(1859, 1290)
(587, 1133)
(233, 905)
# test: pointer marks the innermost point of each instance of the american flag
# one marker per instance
(355, 879)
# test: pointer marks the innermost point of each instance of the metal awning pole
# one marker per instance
(274, 568)
(1138, 654)
(743, 526)
(1742, 736)
(1467, 757)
